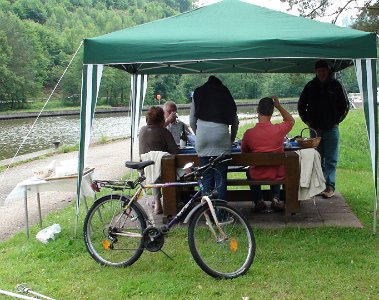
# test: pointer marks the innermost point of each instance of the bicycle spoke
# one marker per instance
(113, 235)
(228, 255)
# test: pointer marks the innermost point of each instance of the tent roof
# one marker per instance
(229, 36)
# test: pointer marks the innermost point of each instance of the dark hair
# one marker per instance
(321, 64)
(213, 79)
(266, 106)
(155, 115)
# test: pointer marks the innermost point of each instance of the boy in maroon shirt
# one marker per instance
(267, 137)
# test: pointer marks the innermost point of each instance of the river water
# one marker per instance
(66, 129)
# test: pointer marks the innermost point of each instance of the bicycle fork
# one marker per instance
(224, 237)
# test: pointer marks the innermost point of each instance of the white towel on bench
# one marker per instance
(153, 172)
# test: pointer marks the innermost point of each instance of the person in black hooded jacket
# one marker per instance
(323, 105)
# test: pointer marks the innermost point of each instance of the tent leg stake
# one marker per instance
(14, 295)
(23, 288)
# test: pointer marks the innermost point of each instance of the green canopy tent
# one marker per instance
(231, 36)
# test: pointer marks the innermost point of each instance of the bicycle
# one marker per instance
(117, 229)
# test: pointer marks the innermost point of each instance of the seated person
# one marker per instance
(154, 137)
(267, 137)
(173, 124)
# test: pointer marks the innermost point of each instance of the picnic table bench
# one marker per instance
(173, 195)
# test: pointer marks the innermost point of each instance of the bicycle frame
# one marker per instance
(130, 185)
(197, 195)
(174, 184)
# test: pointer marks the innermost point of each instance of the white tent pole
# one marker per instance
(138, 89)
(137, 111)
(133, 91)
(90, 89)
(140, 99)
(372, 103)
(367, 87)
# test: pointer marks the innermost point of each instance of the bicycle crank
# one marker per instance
(153, 239)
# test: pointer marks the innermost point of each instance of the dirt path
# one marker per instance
(107, 159)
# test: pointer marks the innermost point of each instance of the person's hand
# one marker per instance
(171, 118)
(276, 101)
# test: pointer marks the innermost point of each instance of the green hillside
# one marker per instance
(38, 38)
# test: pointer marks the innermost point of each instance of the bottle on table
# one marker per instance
(183, 138)
(287, 142)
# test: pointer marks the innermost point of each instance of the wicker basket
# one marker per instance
(308, 142)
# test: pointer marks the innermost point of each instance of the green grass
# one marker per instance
(103, 139)
(290, 263)
(68, 148)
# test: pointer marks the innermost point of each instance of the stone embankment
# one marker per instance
(24, 115)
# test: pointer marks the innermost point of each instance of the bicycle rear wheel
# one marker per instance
(112, 234)
(221, 256)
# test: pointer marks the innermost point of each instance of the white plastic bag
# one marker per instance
(48, 233)
(67, 167)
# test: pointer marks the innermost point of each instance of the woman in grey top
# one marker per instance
(213, 110)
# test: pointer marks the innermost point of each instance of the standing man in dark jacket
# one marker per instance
(323, 104)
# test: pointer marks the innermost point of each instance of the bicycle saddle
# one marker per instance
(139, 165)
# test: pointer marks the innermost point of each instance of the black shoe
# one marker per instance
(276, 205)
(261, 205)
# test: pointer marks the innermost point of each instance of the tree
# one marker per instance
(48, 48)
(167, 85)
(189, 83)
(21, 79)
(46, 33)
(368, 19)
(320, 8)
(70, 84)
(5, 5)
(31, 10)
(5, 75)
(115, 89)
(349, 80)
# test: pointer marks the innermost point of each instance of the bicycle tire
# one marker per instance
(228, 258)
(99, 231)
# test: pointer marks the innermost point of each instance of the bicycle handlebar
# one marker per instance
(198, 171)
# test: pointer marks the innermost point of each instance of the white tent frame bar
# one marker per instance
(178, 62)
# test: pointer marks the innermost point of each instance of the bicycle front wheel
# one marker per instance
(113, 234)
(225, 253)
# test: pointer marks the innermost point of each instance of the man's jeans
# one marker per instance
(328, 149)
(256, 191)
(215, 178)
